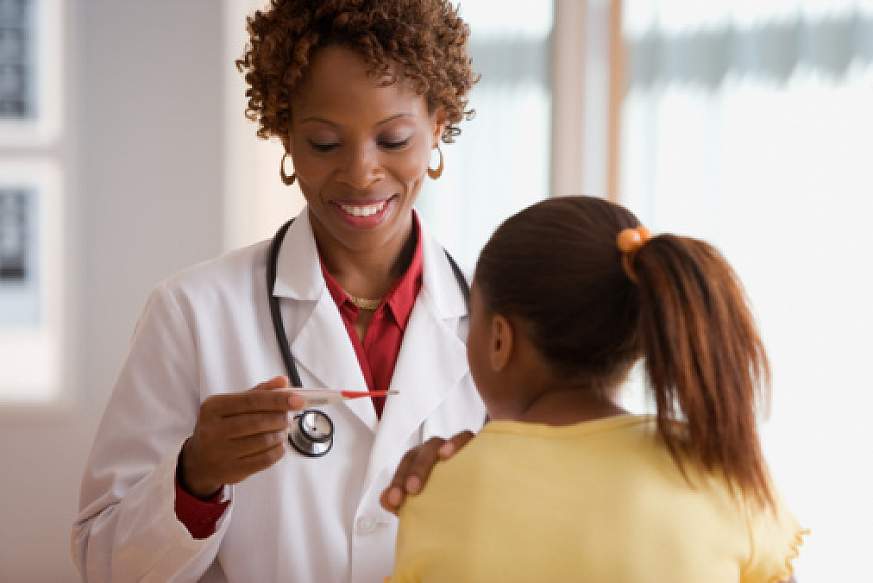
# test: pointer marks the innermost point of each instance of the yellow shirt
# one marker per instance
(600, 502)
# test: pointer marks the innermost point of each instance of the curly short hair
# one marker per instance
(422, 41)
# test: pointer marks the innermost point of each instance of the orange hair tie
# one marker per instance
(629, 242)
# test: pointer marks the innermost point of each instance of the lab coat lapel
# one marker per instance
(431, 363)
(321, 344)
(324, 349)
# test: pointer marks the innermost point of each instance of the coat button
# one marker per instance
(365, 525)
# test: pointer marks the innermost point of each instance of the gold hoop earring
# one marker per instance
(288, 180)
(435, 173)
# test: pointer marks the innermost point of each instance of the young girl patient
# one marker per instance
(563, 484)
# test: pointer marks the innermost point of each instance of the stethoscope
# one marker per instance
(312, 430)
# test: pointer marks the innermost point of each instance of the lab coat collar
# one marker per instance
(298, 274)
(438, 282)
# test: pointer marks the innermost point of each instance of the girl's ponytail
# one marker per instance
(598, 293)
(703, 354)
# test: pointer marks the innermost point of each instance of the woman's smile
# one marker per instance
(365, 214)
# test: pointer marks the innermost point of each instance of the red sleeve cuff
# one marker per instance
(200, 517)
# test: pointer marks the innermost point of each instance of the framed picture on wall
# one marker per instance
(19, 286)
(32, 157)
(17, 63)
(30, 71)
(31, 279)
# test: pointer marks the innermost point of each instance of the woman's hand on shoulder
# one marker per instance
(414, 469)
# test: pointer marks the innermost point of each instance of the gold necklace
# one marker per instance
(364, 303)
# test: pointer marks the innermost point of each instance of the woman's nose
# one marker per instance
(362, 168)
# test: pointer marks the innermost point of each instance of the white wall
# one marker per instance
(144, 148)
(256, 201)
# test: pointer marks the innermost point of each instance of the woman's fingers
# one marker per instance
(402, 471)
(422, 464)
(392, 497)
(255, 444)
(454, 444)
(430, 452)
(257, 401)
(414, 469)
(259, 461)
(251, 424)
(246, 424)
(281, 382)
(278, 382)
(273, 395)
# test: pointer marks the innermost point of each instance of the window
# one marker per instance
(748, 124)
(501, 161)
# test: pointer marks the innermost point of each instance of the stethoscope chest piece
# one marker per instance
(311, 433)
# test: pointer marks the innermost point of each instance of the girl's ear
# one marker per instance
(502, 343)
(286, 142)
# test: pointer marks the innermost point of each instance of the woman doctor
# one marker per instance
(192, 476)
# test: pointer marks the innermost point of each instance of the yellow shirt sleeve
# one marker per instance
(775, 538)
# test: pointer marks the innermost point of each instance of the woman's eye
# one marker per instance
(323, 147)
(393, 144)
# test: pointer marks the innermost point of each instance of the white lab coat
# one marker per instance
(208, 331)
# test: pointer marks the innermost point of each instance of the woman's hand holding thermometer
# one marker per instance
(239, 434)
(236, 435)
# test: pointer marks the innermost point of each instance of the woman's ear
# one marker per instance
(438, 119)
(286, 142)
(502, 343)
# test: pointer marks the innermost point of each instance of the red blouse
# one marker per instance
(377, 354)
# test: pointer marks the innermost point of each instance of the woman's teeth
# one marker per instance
(363, 211)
